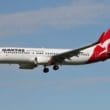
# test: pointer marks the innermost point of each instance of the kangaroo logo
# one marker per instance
(105, 47)
(101, 51)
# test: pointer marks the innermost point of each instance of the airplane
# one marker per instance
(30, 58)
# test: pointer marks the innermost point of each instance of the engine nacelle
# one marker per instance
(29, 65)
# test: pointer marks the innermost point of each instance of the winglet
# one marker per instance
(105, 36)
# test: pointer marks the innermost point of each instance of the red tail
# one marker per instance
(102, 50)
(105, 36)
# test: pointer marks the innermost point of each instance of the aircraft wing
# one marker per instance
(59, 58)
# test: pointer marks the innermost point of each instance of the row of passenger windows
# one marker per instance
(13, 52)
(18, 52)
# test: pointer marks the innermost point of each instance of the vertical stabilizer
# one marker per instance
(105, 36)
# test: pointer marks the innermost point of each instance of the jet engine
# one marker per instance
(31, 64)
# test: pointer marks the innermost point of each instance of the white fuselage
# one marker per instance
(12, 55)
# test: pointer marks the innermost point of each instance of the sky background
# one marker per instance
(54, 24)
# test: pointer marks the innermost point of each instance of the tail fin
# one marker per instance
(105, 36)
